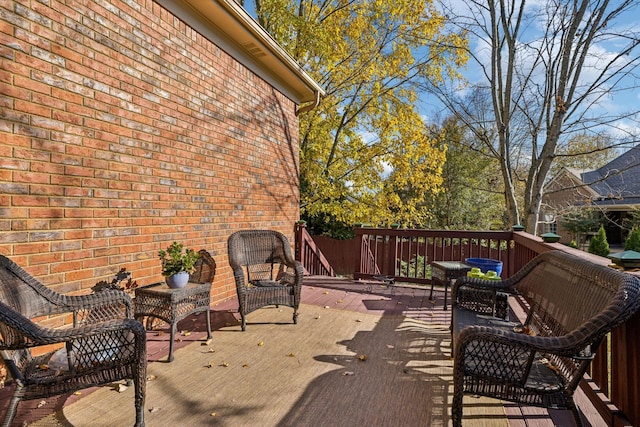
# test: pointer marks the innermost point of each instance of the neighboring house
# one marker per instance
(612, 192)
(128, 124)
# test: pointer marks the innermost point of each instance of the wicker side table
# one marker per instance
(173, 305)
(443, 272)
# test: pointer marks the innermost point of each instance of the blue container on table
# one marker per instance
(485, 264)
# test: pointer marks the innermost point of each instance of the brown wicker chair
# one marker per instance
(571, 305)
(204, 271)
(265, 271)
(103, 345)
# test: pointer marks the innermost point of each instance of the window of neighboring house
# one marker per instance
(550, 227)
(549, 224)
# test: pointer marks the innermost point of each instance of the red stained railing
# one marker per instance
(308, 253)
(614, 383)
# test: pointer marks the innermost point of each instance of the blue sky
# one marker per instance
(616, 101)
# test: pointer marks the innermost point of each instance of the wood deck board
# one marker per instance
(322, 299)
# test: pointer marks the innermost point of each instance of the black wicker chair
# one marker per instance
(104, 344)
(265, 271)
(571, 305)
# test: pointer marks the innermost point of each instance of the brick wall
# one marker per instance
(122, 130)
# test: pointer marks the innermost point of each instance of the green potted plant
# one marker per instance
(177, 263)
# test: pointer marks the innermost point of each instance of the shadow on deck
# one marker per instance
(406, 379)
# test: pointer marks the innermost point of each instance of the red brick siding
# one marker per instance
(122, 130)
(560, 197)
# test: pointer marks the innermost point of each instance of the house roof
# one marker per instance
(230, 27)
(618, 180)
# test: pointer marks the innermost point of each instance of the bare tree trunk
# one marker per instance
(544, 89)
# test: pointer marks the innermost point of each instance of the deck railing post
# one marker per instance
(392, 255)
(625, 368)
(360, 248)
(299, 241)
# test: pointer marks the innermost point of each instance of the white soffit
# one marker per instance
(230, 27)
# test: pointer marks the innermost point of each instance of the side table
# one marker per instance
(173, 305)
(444, 272)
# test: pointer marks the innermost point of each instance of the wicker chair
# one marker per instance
(103, 345)
(265, 271)
(571, 305)
(204, 271)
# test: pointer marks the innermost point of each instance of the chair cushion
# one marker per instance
(265, 283)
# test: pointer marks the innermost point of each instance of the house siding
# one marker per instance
(121, 130)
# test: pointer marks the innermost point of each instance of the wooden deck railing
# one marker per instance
(614, 383)
(406, 254)
(308, 253)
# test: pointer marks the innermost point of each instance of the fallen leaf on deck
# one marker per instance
(390, 346)
(214, 414)
(348, 373)
(159, 333)
(326, 306)
(317, 317)
(121, 388)
(207, 342)
(210, 365)
(362, 357)
(246, 365)
(225, 364)
(326, 292)
(42, 403)
(291, 355)
(154, 409)
(185, 333)
(339, 301)
(261, 343)
(358, 320)
(151, 377)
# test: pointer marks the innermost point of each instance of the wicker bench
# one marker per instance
(570, 304)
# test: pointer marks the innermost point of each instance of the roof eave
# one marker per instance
(227, 24)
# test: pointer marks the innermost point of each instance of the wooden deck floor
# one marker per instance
(413, 301)
(409, 303)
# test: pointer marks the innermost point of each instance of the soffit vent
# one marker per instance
(254, 50)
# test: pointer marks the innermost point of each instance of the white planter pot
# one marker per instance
(178, 280)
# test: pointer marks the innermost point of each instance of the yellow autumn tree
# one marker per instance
(366, 154)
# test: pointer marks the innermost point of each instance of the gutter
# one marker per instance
(304, 108)
(276, 50)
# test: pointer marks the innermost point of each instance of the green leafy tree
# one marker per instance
(598, 244)
(633, 240)
(472, 195)
(584, 152)
(579, 221)
(365, 152)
